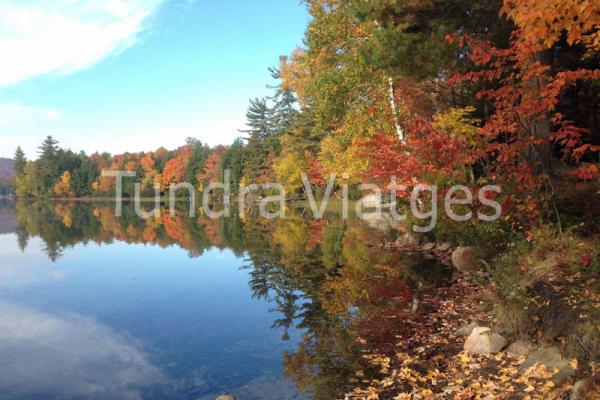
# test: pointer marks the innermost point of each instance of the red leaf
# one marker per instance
(586, 260)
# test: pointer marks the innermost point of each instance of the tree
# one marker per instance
(48, 163)
(48, 148)
(28, 183)
(262, 142)
(545, 22)
(526, 88)
(550, 32)
(196, 160)
(348, 98)
(151, 176)
(83, 177)
(174, 171)
(408, 36)
(288, 170)
(63, 187)
(20, 161)
(258, 119)
(213, 167)
(233, 159)
(283, 112)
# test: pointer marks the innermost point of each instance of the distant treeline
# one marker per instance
(60, 172)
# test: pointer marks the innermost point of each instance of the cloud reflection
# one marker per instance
(68, 357)
(18, 269)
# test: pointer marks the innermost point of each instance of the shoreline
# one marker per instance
(475, 337)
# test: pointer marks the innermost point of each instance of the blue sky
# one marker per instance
(133, 75)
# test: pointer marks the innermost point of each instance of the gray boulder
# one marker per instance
(552, 359)
(466, 259)
(520, 348)
(379, 221)
(466, 330)
(582, 389)
(483, 341)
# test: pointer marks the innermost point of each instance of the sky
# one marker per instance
(134, 75)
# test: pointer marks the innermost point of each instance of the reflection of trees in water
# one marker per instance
(330, 279)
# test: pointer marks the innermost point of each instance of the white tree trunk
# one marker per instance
(399, 131)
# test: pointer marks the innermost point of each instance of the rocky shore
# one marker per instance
(470, 344)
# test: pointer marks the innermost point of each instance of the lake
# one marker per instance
(173, 307)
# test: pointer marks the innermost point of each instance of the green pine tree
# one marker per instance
(47, 162)
(20, 161)
(284, 112)
(262, 138)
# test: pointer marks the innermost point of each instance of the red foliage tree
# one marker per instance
(212, 167)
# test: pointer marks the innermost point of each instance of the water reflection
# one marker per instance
(331, 286)
(49, 356)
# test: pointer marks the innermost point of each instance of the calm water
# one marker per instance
(92, 306)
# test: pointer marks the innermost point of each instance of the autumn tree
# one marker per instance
(174, 171)
(63, 187)
(348, 99)
(213, 167)
(151, 177)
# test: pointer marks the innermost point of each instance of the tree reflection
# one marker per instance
(330, 279)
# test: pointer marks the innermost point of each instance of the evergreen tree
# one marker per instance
(195, 164)
(259, 119)
(48, 166)
(262, 138)
(410, 39)
(284, 100)
(20, 161)
(48, 149)
(233, 159)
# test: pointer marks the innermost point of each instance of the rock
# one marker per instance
(483, 341)
(226, 397)
(371, 201)
(443, 247)
(467, 329)
(406, 240)
(428, 246)
(379, 221)
(552, 359)
(520, 348)
(582, 389)
(466, 259)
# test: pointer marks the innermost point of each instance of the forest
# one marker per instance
(445, 93)
(442, 93)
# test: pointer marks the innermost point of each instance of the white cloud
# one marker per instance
(16, 113)
(41, 37)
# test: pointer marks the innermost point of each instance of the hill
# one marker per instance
(6, 173)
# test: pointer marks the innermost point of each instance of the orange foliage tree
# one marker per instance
(174, 171)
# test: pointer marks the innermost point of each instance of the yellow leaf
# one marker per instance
(573, 363)
(529, 389)
(465, 359)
